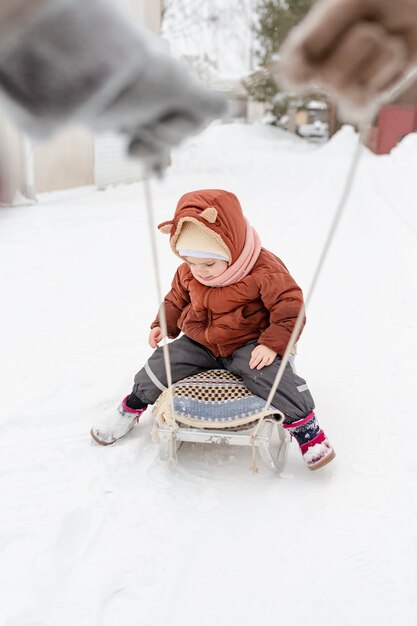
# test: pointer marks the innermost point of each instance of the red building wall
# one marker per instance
(394, 122)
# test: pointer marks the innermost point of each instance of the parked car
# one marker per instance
(314, 130)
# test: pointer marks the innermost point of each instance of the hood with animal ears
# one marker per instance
(215, 209)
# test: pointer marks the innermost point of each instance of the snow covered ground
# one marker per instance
(98, 536)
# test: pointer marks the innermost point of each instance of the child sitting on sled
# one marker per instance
(236, 305)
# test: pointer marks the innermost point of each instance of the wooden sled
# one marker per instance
(215, 407)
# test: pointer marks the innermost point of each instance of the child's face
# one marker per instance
(206, 268)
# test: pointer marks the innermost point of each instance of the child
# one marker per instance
(236, 304)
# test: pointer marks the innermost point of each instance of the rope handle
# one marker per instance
(340, 207)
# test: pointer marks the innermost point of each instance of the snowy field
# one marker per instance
(93, 536)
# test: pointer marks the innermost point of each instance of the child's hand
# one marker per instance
(155, 336)
(261, 356)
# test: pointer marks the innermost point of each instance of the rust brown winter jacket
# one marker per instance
(263, 306)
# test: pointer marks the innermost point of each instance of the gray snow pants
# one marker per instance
(189, 357)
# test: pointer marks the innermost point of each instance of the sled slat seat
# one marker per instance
(215, 407)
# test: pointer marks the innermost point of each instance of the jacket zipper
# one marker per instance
(209, 323)
(209, 318)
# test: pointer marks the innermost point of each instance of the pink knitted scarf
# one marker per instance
(243, 265)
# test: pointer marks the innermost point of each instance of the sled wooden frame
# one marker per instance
(273, 453)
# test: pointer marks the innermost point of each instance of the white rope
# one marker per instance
(161, 305)
(329, 239)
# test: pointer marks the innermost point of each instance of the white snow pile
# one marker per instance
(98, 536)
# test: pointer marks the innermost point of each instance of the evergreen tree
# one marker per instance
(275, 18)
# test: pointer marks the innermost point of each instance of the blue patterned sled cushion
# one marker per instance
(212, 399)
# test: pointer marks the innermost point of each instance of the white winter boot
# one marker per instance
(117, 425)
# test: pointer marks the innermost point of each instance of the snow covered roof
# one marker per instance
(317, 105)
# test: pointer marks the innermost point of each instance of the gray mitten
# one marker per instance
(78, 60)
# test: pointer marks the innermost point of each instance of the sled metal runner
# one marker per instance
(271, 442)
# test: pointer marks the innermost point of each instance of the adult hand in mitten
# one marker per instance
(160, 107)
(357, 49)
(72, 60)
